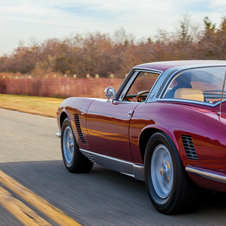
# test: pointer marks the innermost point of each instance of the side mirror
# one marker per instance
(109, 92)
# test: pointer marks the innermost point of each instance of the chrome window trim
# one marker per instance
(128, 85)
(126, 102)
(147, 69)
(190, 102)
(123, 84)
(122, 166)
(205, 174)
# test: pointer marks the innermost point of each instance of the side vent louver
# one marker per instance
(77, 123)
(189, 147)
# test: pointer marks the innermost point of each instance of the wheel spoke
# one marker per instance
(162, 171)
(68, 145)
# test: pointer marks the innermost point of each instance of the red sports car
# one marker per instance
(166, 125)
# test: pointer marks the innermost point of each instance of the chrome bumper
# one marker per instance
(58, 134)
(206, 174)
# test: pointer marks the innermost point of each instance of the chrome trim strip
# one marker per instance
(138, 172)
(124, 167)
(127, 85)
(105, 156)
(127, 174)
(147, 69)
(186, 101)
(58, 134)
(208, 175)
(190, 102)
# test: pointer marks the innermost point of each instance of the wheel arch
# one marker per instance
(63, 116)
(145, 135)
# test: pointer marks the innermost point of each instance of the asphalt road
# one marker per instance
(30, 153)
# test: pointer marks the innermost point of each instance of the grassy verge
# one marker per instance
(44, 106)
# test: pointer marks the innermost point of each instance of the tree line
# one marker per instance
(102, 54)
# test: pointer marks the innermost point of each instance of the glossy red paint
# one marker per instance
(109, 130)
(81, 109)
(209, 144)
(108, 127)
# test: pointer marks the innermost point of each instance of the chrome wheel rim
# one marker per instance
(162, 171)
(68, 145)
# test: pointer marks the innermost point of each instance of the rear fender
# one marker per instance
(148, 131)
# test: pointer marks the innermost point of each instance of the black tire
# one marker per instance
(169, 187)
(74, 160)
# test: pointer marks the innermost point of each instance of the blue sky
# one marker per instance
(23, 20)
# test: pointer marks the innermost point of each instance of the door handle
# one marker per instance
(83, 111)
(129, 113)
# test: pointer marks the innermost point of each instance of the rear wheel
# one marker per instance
(169, 187)
(74, 160)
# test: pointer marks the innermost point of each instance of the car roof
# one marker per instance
(164, 65)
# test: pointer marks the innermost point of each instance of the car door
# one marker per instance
(108, 128)
(108, 122)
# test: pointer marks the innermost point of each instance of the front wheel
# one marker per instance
(170, 189)
(74, 160)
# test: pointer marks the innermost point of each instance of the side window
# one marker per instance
(203, 84)
(140, 87)
(181, 80)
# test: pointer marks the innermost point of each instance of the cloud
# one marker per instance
(22, 19)
(218, 5)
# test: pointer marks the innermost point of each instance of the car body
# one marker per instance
(171, 138)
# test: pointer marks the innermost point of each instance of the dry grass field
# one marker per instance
(44, 106)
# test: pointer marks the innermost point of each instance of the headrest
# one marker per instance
(189, 94)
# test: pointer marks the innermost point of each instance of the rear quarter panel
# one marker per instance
(206, 128)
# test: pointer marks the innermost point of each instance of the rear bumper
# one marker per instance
(208, 179)
(206, 174)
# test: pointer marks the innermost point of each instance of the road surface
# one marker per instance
(30, 154)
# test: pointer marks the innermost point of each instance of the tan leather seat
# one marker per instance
(189, 94)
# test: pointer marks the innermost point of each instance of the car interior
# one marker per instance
(140, 87)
